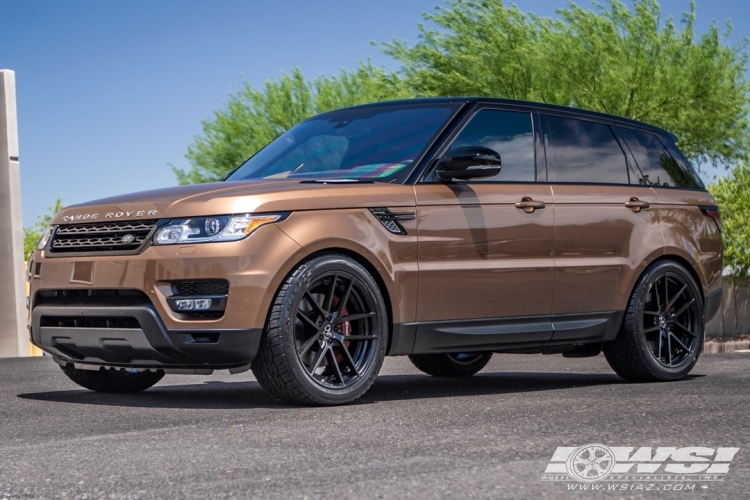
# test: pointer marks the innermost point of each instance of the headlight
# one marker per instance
(205, 229)
(44, 239)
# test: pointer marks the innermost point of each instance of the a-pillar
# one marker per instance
(13, 334)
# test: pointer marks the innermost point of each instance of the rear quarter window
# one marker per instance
(659, 166)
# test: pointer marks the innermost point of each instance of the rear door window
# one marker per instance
(585, 152)
(508, 133)
(658, 167)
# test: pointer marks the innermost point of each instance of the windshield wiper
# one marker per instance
(336, 181)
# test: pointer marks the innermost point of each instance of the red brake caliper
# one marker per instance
(346, 328)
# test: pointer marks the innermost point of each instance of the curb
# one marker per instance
(714, 347)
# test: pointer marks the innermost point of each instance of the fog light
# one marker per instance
(192, 304)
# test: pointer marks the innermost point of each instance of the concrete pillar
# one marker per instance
(13, 334)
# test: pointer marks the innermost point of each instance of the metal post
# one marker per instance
(13, 335)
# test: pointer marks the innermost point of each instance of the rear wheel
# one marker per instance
(326, 336)
(662, 334)
(451, 364)
(113, 380)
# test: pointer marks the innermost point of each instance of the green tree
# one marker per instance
(612, 59)
(32, 234)
(733, 194)
(252, 118)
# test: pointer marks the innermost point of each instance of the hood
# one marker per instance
(236, 197)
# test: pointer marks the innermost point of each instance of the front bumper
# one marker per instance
(156, 336)
(150, 345)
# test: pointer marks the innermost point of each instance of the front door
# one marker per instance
(485, 245)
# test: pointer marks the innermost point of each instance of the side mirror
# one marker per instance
(470, 162)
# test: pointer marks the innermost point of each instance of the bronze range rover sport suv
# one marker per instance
(441, 229)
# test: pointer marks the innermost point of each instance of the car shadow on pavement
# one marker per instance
(249, 394)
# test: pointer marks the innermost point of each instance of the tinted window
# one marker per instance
(658, 167)
(691, 179)
(509, 134)
(583, 151)
(367, 143)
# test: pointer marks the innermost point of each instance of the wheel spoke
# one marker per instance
(649, 330)
(674, 299)
(658, 349)
(336, 365)
(669, 348)
(352, 317)
(666, 293)
(329, 298)
(683, 346)
(305, 318)
(651, 313)
(349, 359)
(317, 359)
(360, 337)
(684, 308)
(344, 299)
(656, 292)
(315, 304)
(684, 328)
(307, 345)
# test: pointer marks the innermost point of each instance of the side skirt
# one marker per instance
(520, 334)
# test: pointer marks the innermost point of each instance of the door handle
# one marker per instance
(637, 205)
(528, 205)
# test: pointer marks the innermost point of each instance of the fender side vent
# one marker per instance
(390, 220)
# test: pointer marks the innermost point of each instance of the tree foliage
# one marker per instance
(733, 194)
(252, 118)
(613, 59)
(32, 234)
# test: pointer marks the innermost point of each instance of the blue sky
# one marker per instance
(110, 92)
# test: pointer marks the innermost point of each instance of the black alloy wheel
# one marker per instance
(464, 364)
(335, 329)
(663, 330)
(330, 322)
(671, 320)
(114, 380)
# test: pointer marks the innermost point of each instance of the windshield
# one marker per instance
(372, 143)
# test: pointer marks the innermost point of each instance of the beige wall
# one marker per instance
(733, 319)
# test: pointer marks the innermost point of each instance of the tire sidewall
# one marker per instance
(309, 273)
(661, 371)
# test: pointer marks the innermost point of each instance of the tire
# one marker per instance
(662, 333)
(310, 354)
(111, 380)
(451, 364)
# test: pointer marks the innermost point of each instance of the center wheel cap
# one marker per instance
(327, 330)
(662, 322)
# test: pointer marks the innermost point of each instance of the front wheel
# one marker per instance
(113, 380)
(326, 336)
(662, 334)
(451, 364)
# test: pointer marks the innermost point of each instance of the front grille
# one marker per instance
(91, 297)
(90, 322)
(101, 237)
(200, 287)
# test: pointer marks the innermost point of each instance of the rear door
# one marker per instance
(485, 263)
(683, 201)
(606, 226)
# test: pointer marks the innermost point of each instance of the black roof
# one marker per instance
(530, 104)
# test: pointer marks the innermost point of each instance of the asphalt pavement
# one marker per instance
(410, 436)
